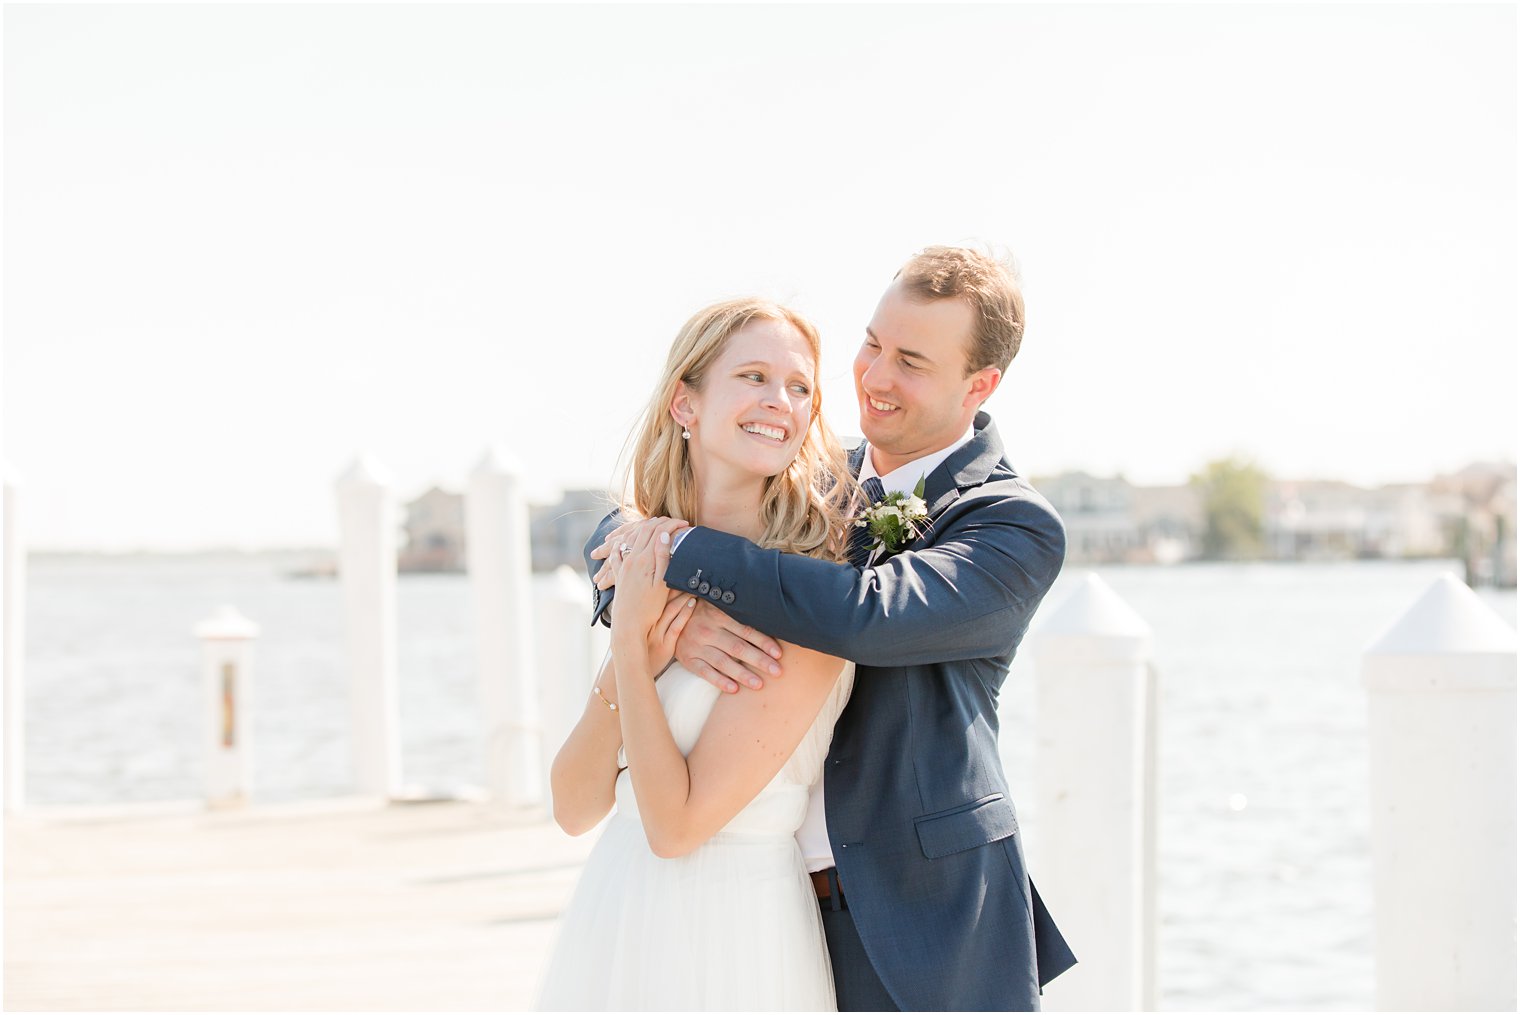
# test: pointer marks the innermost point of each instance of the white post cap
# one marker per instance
(498, 461)
(226, 624)
(1093, 620)
(366, 470)
(1095, 609)
(1448, 617)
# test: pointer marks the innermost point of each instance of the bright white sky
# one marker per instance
(243, 243)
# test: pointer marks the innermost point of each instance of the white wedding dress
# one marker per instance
(733, 925)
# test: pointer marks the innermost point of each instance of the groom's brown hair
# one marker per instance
(988, 284)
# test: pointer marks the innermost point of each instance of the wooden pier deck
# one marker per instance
(331, 905)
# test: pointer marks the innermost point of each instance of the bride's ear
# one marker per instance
(682, 407)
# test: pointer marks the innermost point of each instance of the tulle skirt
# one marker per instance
(732, 926)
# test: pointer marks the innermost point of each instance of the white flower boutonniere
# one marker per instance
(897, 519)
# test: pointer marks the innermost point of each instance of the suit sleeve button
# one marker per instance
(715, 593)
(728, 597)
(692, 582)
(702, 589)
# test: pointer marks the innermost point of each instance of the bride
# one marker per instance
(696, 896)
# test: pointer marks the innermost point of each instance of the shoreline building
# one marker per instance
(1469, 515)
(434, 531)
(1111, 521)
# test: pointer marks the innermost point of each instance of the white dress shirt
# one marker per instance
(813, 836)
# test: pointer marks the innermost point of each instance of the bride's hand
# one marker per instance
(646, 608)
(623, 535)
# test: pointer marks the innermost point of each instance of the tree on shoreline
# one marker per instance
(1233, 491)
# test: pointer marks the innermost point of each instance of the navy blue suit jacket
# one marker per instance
(918, 807)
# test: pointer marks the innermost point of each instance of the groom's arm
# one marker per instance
(969, 596)
(601, 599)
(716, 647)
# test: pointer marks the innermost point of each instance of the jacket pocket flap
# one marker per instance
(975, 824)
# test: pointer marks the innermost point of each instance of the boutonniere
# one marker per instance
(896, 519)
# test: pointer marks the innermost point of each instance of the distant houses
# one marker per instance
(434, 531)
(1100, 516)
(559, 531)
(1469, 515)
(1330, 520)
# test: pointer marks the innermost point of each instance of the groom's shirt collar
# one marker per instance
(905, 477)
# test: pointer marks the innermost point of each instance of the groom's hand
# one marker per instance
(721, 651)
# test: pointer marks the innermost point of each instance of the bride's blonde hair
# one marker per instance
(804, 508)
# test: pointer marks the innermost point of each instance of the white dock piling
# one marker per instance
(227, 656)
(1441, 707)
(367, 569)
(562, 603)
(500, 562)
(13, 604)
(1096, 786)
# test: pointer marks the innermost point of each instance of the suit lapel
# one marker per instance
(969, 467)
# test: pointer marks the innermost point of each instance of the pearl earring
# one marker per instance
(686, 435)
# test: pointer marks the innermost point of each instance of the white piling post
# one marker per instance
(13, 604)
(562, 604)
(367, 569)
(1441, 708)
(500, 562)
(1096, 792)
(227, 655)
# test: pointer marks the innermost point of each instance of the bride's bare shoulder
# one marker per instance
(808, 664)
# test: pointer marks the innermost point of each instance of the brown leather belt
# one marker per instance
(821, 884)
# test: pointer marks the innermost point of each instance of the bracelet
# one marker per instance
(612, 705)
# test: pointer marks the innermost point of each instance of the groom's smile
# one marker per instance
(910, 377)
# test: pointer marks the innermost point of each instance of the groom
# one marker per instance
(911, 834)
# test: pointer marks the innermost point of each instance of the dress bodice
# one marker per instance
(779, 808)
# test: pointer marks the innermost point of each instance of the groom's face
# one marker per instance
(910, 377)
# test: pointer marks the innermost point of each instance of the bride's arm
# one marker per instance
(583, 777)
(684, 801)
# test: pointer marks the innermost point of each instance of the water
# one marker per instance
(1265, 865)
(114, 692)
(1265, 859)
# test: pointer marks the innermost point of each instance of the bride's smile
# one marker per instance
(749, 414)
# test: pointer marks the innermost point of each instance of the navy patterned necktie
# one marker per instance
(860, 536)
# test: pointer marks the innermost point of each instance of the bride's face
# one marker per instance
(755, 404)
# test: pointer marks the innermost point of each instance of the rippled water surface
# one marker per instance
(1265, 866)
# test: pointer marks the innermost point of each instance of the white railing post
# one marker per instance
(562, 601)
(500, 562)
(367, 570)
(1441, 711)
(227, 649)
(13, 604)
(1096, 782)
